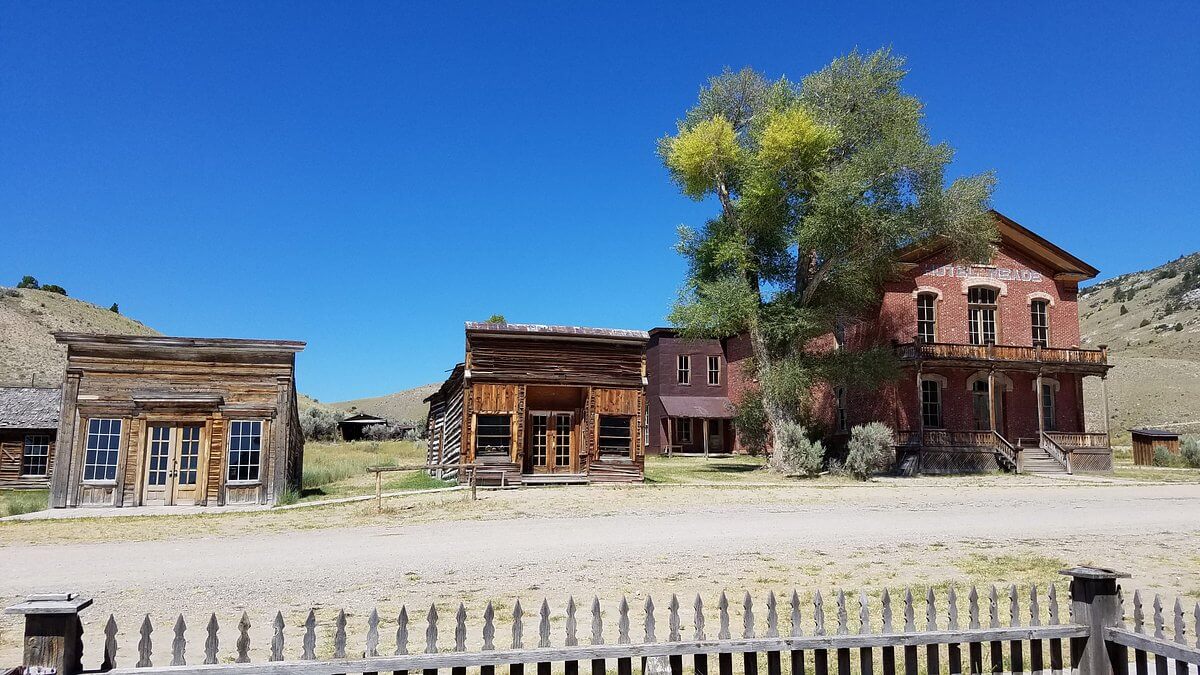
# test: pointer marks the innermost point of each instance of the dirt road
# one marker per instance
(667, 540)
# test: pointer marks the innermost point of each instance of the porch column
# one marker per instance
(706, 438)
(920, 410)
(1040, 408)
(670, 434)
(992, 398)
(1104, 395)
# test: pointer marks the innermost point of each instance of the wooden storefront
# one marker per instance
(544, 404)
(176, 421)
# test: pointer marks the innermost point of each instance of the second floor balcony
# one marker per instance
(1092, 361)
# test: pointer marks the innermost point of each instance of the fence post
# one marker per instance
(1096, 603)
(53, 632)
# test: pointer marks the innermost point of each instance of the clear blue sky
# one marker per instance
(367, 176)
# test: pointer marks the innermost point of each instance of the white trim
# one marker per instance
(1038, 295)
(936, 292)
(1045, 380)
(1003, 380)
(934, 377)
(1000, 287)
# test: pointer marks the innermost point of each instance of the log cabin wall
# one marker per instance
(515, 370)
(28, 430)
(161, 420)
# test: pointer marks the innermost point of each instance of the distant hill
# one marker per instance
(404, 405)
(1150, 321)
(27, 319)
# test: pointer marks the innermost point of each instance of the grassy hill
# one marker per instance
(402, 405)
(1150, 321)
(28, 317)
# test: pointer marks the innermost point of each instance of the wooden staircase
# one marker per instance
(1036, 459)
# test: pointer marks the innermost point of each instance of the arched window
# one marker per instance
(981, 315)
(1039, 318)
(926, 317)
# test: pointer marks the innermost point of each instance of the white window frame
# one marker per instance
(932, 321)
(714, 371)
(1044, 314)
(229, 465)
(683, 369)
(94, 435)
(30, 441)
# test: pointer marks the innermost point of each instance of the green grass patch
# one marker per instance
(733, 470)
(1012, 568)
(340, 469)
(16, 502)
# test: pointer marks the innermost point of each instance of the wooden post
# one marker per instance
(378, 492)
(670, 434)
(705, 438)
(1104, 395)
(992, 398)
(53, 632)
(1096, 603)
(474, 483)
(1040, 408)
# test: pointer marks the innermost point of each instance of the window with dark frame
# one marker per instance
(979, 405)
(683, 430)
(931, 404)
(493, 434)
(684, 371)
(840, 396)
(714, 370)
(103, 446)
(615, 435)
(1040, 320)
(35, 456)
(927, 317)
(245, 450)
(1048, 422)
(981, 315)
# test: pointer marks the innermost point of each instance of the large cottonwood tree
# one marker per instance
(818, 185)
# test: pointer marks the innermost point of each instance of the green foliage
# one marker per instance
(1124, 310)
(820, 184)
(290, 495)
(320, 424)
(17, 502)
(1191, 452)
(114, 309)
(28, 282)
(797, 453)
(1178, 326)
(496, 318)
(870, 450)
(54, 288)
(1164, 457)
(750, 421)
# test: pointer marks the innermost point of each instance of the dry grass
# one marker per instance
(340, 469)
(16, 502)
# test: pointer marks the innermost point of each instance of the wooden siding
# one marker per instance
(494, 398)
(518, 360)
(12, 450)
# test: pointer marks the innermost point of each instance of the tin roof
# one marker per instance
(710, 407)
(29, 407)
(555, 331)
(1155, 433)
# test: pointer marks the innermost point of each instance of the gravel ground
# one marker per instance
(587, 541)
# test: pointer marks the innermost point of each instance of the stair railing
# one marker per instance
(1006, 452)
(1056, 451)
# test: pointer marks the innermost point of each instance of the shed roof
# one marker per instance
(1155, 433)
(534, 329)
(705, 407)
(29, 407)
(364, 418)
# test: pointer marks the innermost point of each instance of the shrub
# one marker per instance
(796, 454)
(320, 424)
(1124, 310)
(54, 288)
(1191, 452)
(26, 501)
(497, 318)
(114, 309)
(750, 421)
(290, 495)
(29, 282)
(1164, 457)
(1178, 327)
(870, 450)
(1144, 323)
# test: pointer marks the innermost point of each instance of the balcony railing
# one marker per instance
(952, 351)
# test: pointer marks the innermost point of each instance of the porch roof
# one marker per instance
(710, 407)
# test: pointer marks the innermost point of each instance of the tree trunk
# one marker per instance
(777, 414)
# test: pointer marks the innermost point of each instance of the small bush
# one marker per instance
(290, 495)
(26, 501)
(1178, 327)
(1191, 452)
(114, 309)
(54, 288)
(1124, 310)
(319, 424)
(28, 282)
(1144, 323)
(750, 421)
(870, 450)
(1164, 457)
(796, 454)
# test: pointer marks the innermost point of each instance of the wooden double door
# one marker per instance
(173, 464)
(553, 442)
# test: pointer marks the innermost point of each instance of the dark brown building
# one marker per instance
(169, 420)
(28, 427)
(541, 404)
(687, 392)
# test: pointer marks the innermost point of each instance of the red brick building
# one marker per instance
(978, 344)
(687, 395)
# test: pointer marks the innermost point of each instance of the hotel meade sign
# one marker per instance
(981, 271)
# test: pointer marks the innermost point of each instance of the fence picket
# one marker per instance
(910, 625)
(179, 643)
(1181, 667)
(243, 641)
(1056, 648)
(1196, 624)
(309, 644)
(843, 628)
(699, 661)
(866, 655)
(797, 631)
(518, 628)
(888, 652)
(724, 659)
(820, 656)
(572, 639)
(673, 635)
(339, 635)
(648, 608)
(1160, 661)
(372, 642)
(460, 635)
(212, 642)
(145, 646)
(110, 644)
(1016, 653)
(277, 638)
(774, 661)
(932, 655)
(402, 631)
(995, 647)
(954, 649)
(624, 666)
(544, 624)
(1037, 663)
(974, 649)
(489, 635)
(598, 665)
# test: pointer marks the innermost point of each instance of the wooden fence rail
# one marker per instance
(1013, 630)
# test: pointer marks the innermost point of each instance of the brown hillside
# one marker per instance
(404, 405)
(28, 317)
(1154, 346)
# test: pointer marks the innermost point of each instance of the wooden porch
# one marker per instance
(942, 451)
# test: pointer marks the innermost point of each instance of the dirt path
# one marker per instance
(670, 542)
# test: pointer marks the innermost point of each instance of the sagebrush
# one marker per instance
(870, 450)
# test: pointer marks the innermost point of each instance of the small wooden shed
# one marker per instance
(1146, 440)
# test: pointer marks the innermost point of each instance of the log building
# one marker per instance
(172, 421)
(28, 426)
(537, 404)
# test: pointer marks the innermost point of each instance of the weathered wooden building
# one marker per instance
(28, 427)
(544, 404)
(1145, 441)
(170, 420)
